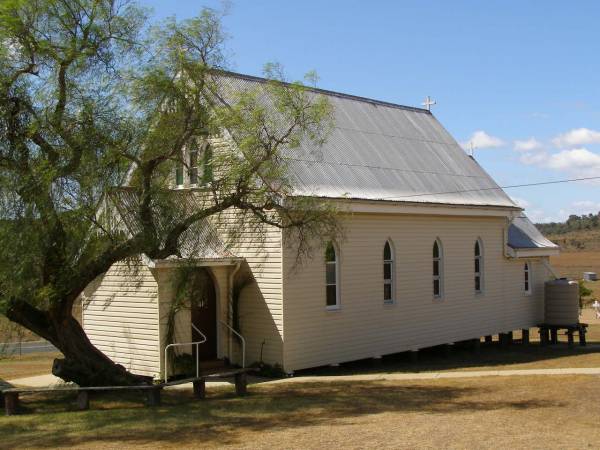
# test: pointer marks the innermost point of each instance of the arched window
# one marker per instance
(179, 174)
(527, 279)
(438, 269)
(478, 266)
(198, 160)
(331, 277)
(200, 168)
(388, 273)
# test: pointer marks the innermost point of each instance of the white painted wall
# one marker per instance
(365, 327)
(120, 317)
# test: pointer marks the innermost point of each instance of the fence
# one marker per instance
(21, 348)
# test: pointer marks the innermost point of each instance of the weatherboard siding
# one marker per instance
(120, 317)
(260, 304)
(365, 327)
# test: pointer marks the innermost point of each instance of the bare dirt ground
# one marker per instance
(513, 412)
(573, 264)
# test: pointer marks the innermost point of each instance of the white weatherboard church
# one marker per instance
(434, 253)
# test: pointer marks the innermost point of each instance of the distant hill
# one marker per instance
(577, 233)
(573, 223)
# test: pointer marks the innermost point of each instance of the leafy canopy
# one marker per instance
(93, 99)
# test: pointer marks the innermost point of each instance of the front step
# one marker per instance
(213, 366)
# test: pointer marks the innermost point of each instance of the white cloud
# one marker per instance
(577, 136)
(536, 159)
(578, 160)
(521, 202)
(527, 145)
(480, 139)
(585, 207)
(576, 163)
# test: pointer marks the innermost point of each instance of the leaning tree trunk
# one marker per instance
(83, 363)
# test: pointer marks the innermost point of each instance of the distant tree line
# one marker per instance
(573, 223)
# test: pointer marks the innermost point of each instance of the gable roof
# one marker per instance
(383, 151)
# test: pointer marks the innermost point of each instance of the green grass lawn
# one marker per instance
(513, 412)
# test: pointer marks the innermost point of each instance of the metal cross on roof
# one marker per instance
(428, 103)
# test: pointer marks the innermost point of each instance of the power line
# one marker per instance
(541, 183)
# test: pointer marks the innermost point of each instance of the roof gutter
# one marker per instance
(186, 262)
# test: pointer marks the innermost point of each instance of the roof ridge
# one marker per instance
(326, 92)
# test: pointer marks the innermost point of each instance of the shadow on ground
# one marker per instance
(224, 419)
(461, 357)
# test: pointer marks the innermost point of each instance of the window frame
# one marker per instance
(179, 175)
(336, 264)
(479, 263)
(194, 168)
(440, 276)
(392, 268)
(527, 278)
(193, 165)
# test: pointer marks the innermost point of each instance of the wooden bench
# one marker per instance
(240, 377)
(11, 395)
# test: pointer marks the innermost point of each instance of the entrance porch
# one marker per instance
(195, 317)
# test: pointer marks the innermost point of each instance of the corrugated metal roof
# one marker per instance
(381, 151)
(523, 234)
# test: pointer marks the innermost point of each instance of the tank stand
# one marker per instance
(549, 333)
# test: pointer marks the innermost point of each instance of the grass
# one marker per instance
(577, 240)
(515, 412)
(572, 264)
(461, 358)
(28, 365)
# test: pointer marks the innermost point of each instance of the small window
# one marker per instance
(527, 279)
(179, 174)
(388, 274)
(478, 267)
(438, 269)
(207, 160)
(331, 277)
(200, 171)
(193, 167)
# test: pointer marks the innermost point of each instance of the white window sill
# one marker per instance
(389, 302)
(333, 308)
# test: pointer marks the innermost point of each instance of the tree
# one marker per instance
(92, 98)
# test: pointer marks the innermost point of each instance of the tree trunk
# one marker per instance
(83, 363)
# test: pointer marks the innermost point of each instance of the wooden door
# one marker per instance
(204, 314)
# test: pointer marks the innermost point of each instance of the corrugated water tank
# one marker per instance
(561, 303)
(590, 276)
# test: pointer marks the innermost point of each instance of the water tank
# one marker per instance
(590, 276)
(561, 305)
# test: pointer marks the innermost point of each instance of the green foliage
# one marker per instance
(93, 98)
(573, 223)
(584, 291)
(268, 370)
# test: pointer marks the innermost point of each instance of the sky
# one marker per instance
(520, 80)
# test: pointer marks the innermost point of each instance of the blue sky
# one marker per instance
(520, 79)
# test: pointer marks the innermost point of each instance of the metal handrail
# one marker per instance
(241, 339)
(197, 344)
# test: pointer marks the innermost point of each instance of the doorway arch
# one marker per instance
(203, 305)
